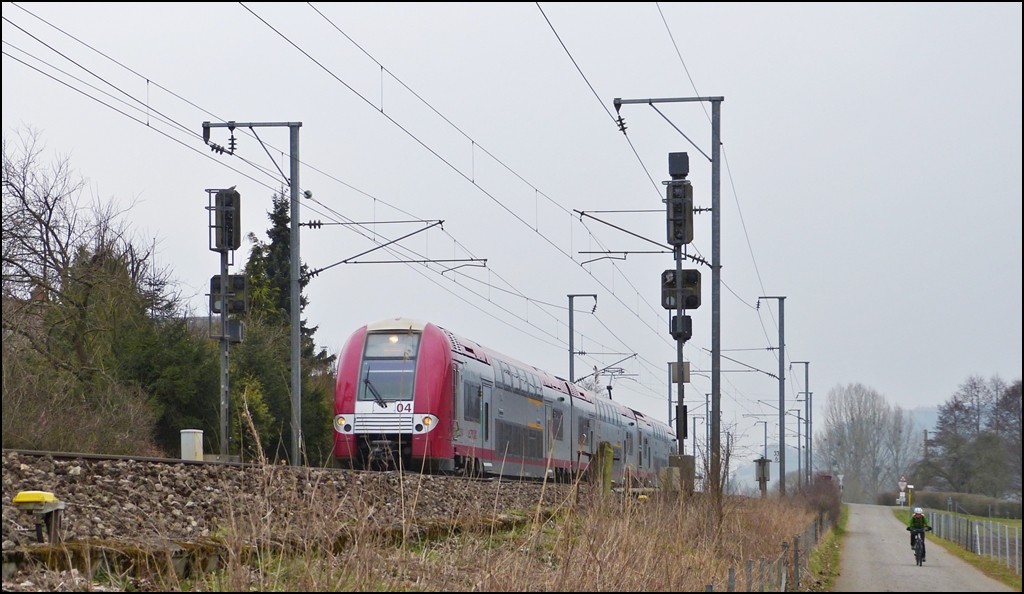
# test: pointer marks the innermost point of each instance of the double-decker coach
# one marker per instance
(414, 395)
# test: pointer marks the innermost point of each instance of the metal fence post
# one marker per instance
(732, 579)
(750, 575)
(761, 588)
(796, 562)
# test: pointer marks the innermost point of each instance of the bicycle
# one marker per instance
(919, 543)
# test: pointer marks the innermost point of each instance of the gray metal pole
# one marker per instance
(807, 419)
(225, 390)
(716, 279)
(572, 353)
(781, 391)
(707, 422)
(782, 395)
(669, 365)
(810, 433)
(765, 438)
(680, 427)
(694, 438)
(799, 468)
(294, 275)
(807, 476)
(572, 358)
(296, 268)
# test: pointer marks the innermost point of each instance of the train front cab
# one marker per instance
(393, 398)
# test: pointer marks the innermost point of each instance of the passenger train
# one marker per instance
(416, 395)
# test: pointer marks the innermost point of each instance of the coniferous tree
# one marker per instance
(264, 360)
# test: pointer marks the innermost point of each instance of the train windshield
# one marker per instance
(389, 367)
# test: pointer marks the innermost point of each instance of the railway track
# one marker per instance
(137, 511)
(71, 456)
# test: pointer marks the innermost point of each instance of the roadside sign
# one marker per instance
(903, 483)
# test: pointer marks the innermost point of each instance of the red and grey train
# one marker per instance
(418, 395)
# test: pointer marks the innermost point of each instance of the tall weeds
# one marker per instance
(304, 532)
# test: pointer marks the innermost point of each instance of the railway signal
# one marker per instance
(679, 201)
(670, 285)
(680, 289)
(681, 328)
(228, 206)
(237, 296)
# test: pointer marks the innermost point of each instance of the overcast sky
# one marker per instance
(873, 172)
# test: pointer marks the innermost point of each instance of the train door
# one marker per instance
(586, 445)
(549, 435)
(468, 417)
(454, 429)
(486, 438)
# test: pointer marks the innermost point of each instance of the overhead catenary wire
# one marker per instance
(138, 120)
(623, 130)
(728, 171)
(436, 154)
(475, 143)
(129, 116)
(263, 170)
(735, 197)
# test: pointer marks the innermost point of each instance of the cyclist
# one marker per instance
(918, 522)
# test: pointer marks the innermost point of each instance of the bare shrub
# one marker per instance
(45, 409)
(823, 497)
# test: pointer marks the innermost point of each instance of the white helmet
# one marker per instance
(918, 510)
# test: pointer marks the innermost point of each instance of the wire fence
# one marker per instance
(783, 573)
(988, 538)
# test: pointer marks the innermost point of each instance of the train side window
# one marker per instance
(487, 421)
(472, 394)
(556, 422)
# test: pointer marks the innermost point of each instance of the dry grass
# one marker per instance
(573, 540)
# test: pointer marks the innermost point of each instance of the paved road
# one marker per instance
(877, 558)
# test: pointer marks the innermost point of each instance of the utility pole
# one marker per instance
(572, 351)
(782, 391)
(716, 264)
(296, 267)
(807, 421)
(671, 410)
(695, 417)
(799, 465)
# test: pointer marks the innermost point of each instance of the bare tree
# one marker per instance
(75, 266)
(867, 440)
(904, 444)
(76, 289)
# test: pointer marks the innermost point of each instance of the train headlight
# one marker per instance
(342, 424)
(424, 423)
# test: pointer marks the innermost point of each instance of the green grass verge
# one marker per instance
(992, 569)
(823, 562)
